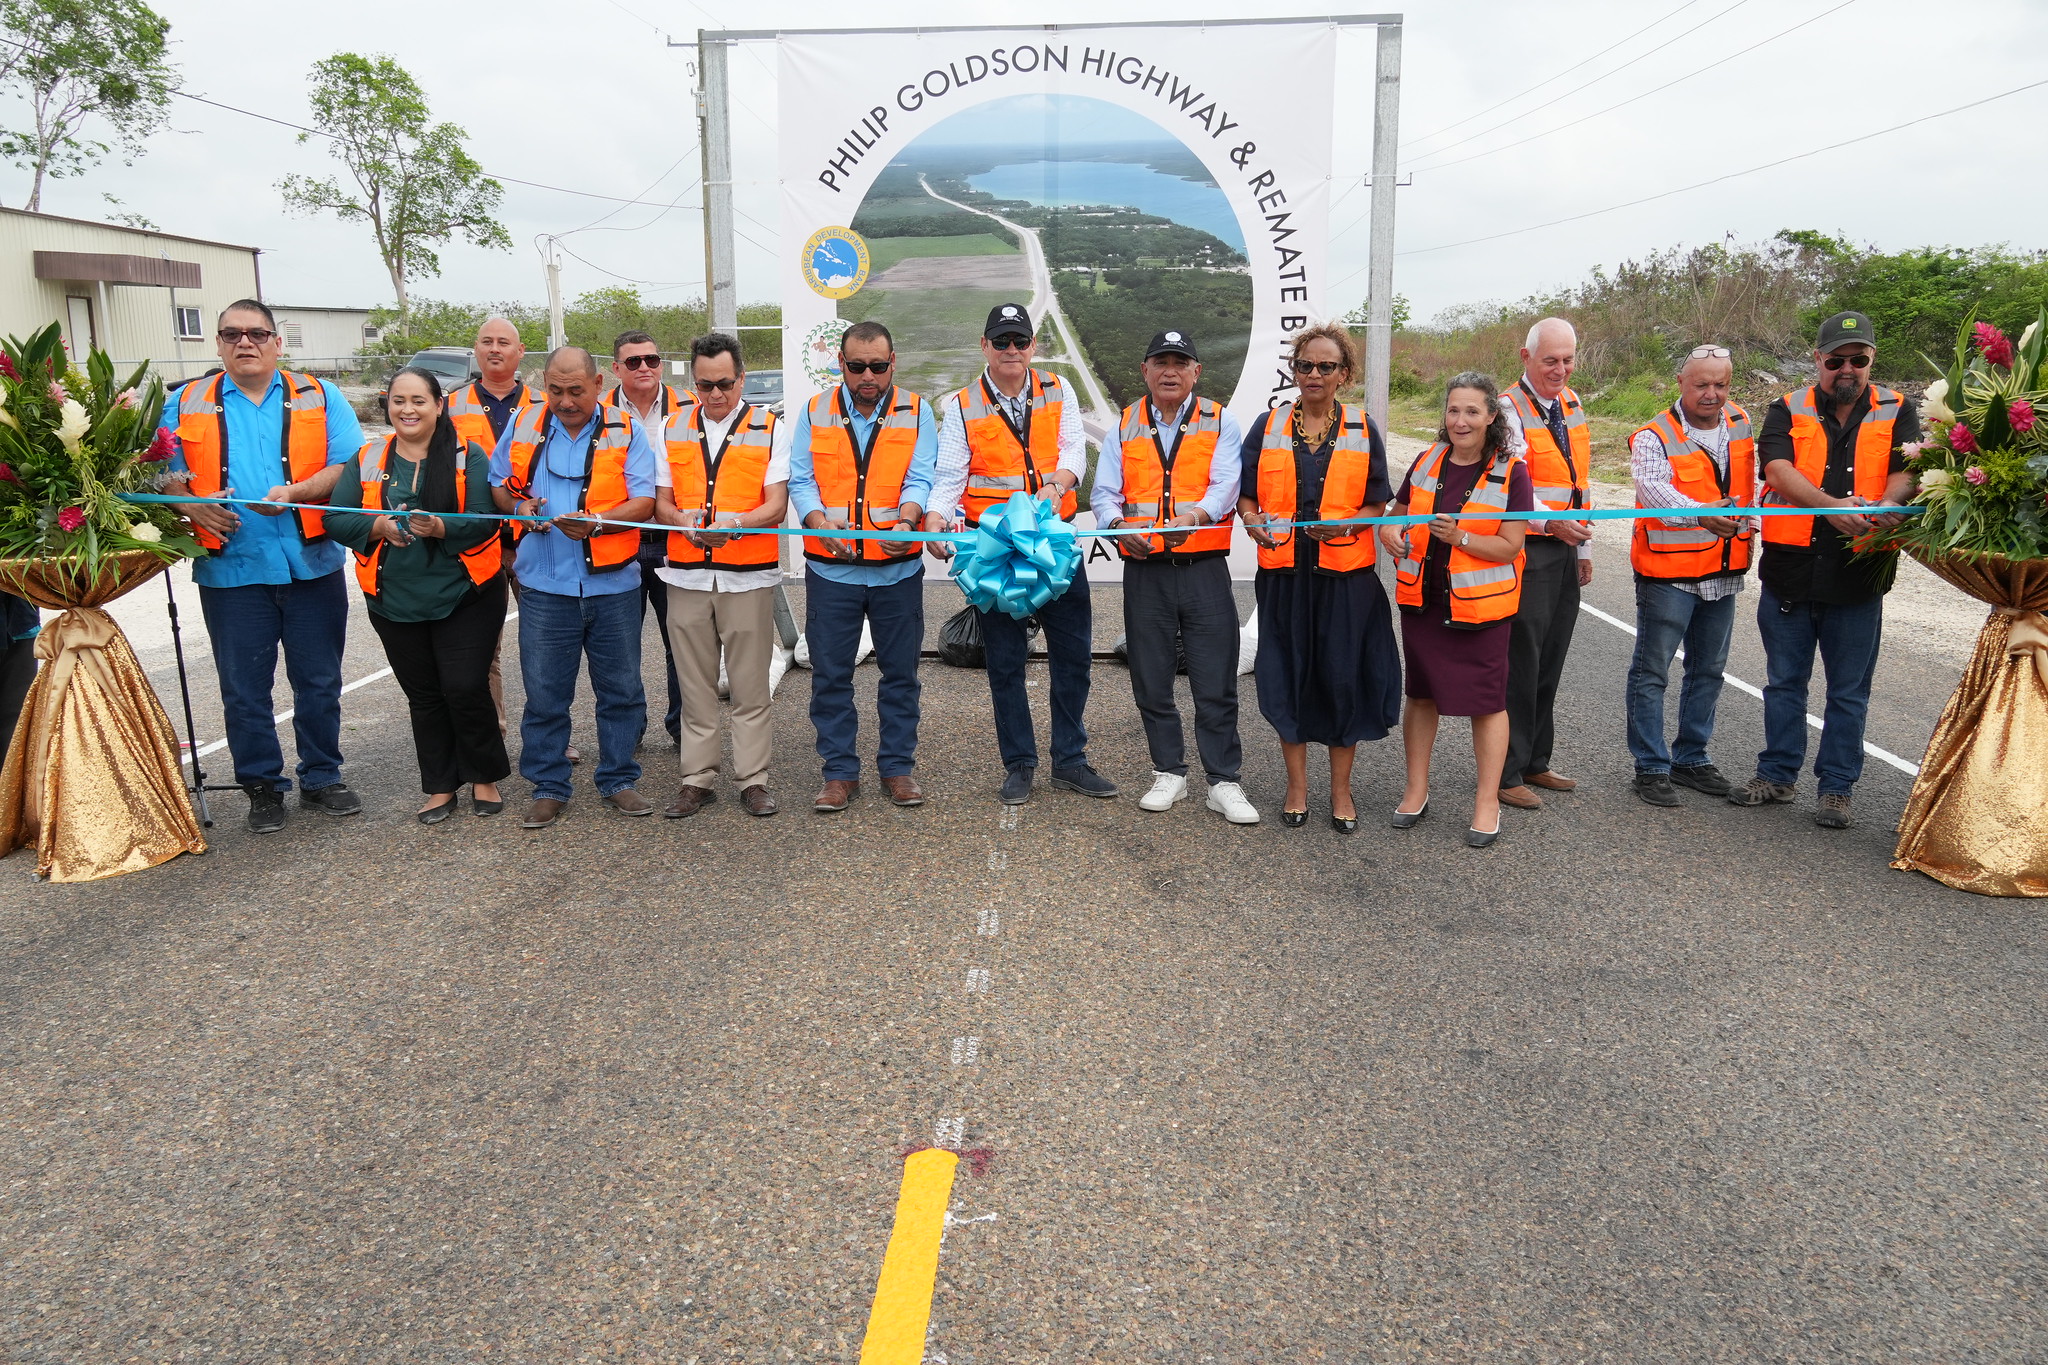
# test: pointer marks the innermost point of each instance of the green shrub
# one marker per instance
(1637, 399)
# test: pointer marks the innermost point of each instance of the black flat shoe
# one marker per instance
(1294, 819)
(434, 815)
(481, 807)
(1343, 824)
(1481, 838)
(1409, 819)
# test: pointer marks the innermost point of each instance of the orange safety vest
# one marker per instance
(1689, 553)
(1482, 592)
(1344, 487)
(1810, 457)
(604, 479)
(1559, 477)
(1002, 460)
(473, 423)
(203, 434)
(481, 562)
(863, 487)
(1157, 480)
(735, 480)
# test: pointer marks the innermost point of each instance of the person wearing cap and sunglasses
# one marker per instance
(1018, 430)
(638, 390)
(1835, 446)
(1175, 467)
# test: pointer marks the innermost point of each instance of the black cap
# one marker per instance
(1843, 329)
(1172, 343)
(1008, 320)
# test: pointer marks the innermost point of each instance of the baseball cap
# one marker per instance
(1008, 320)
(1172, 343)
(1844, 328)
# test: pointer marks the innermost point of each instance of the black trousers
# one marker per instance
(1189, 605)
(17, 671)
(444, 668)
(654, 593)
(1537, 645)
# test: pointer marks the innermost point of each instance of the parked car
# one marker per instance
(452, 365)
(765, 387)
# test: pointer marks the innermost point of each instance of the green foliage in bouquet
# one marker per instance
(70, 444)
(1983, 471)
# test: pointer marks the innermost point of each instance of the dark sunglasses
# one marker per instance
(1011, 343)
(641, 362)
(1836, 362)
(867, 367)
(712, 385)
(1317, 366)
(235, 336)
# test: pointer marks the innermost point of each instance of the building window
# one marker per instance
(369, 332)
(294, 335)
(189, 325)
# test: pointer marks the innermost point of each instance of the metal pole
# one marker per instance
(714, 111)
(185, 691)
(1379, 324)
(557, 337)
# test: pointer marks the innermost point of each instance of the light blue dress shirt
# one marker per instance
(265, 549)
(917, 488)
(549, 561)
(1226, 468)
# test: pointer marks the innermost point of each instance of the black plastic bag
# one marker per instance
(960, 639)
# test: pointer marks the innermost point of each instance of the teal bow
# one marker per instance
(1022, 556)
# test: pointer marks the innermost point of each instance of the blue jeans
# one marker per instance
(1667, 617)
(833, 613)
(555, 632)
(1847, 638)
(309, 618)
(1069, 625)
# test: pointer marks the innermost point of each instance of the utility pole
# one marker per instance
(1379, 316)
(714, 115)
(557, 337)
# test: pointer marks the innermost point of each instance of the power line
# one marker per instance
(662, 284)
(1716, 68)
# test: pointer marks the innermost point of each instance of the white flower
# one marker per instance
(1931, 406)
(72, 424)
(2028, 335)
(7, 417)
(143, 531)
(1937, 391)
(1934, 478)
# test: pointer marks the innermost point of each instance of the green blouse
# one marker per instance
(423, 581)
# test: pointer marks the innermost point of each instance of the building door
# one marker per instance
(78, 336)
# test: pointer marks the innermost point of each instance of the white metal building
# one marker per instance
(319, 336)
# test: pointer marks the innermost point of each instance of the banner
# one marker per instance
(1120, 182)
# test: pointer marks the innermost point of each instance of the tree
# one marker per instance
(73, 61)
(414, 184)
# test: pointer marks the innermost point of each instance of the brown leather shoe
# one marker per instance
(904, 790)
(572, 753)
(544, 811)
(1521, 798)
(834, 795)
(689, 801)
(626, 801)
(756, 800)
(1550, 781)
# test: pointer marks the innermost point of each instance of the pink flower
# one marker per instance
(58, 393)
(1993, 345)
(160, 448)
(1975, 474)
(7, 474)
(125, 398)
(71, 518)
(1961, 441)
(2021, 414)
(7, 366)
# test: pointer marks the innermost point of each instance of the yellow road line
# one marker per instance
(910, 1267)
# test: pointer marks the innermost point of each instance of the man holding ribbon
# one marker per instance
(861, 458)
(1016, 429)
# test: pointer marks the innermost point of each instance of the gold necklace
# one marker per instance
(1301, 427)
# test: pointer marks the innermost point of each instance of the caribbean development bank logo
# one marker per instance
(835, 262)
(821, 352)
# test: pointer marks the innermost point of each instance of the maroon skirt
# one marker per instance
(1465, 672)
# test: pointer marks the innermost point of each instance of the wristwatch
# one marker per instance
(1463, 536)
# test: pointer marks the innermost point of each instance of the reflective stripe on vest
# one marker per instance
(863, 489)
(1559, 477)
(1482, 592)
(480, 562)
(735, 482)
(203, 436)
(1690, 553)
(1873, 458)
(473, 420)
(604, 479)
(1149, 497)
(998, 461)
(1344, 487)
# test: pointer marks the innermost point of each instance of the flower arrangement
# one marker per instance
(1983, 469)
(71, 443)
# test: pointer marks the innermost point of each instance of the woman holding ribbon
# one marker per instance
(1327, 669)
(1458, 580)
(434, 585)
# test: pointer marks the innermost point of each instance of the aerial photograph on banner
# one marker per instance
(1102, 220)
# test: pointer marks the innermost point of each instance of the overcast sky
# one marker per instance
(599, 103)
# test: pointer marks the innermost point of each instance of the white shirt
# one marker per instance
(1651, 466)
(1106, 499)
(1519, 444)
(949, 484)
(726, 580)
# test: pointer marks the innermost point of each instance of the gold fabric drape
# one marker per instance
(1978, 816)
(92, 778)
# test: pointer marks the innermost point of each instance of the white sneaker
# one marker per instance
(1167, 788)
(1228, 800)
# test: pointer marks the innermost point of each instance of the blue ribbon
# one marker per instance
(1022, 556)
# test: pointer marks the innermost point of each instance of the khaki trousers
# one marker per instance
(743, 623)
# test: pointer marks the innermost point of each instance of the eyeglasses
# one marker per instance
(867, 367)
(1836, 362)
(235, 336)
(1011, 343)
(712, 385)
(1708, 353)
(641, 362)
(1318, 366)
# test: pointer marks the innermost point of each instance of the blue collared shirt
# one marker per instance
(549, 561)
(265, 549)
(917, 487)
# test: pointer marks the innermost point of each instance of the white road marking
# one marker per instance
(988, 921)
(950, 1132)
(966, 1051)
(997, 860)
(1883, 755)
(977, 981)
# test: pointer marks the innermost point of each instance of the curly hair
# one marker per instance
(1496, 429)
(1336, 335)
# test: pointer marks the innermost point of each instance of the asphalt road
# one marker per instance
(1634, 1085)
